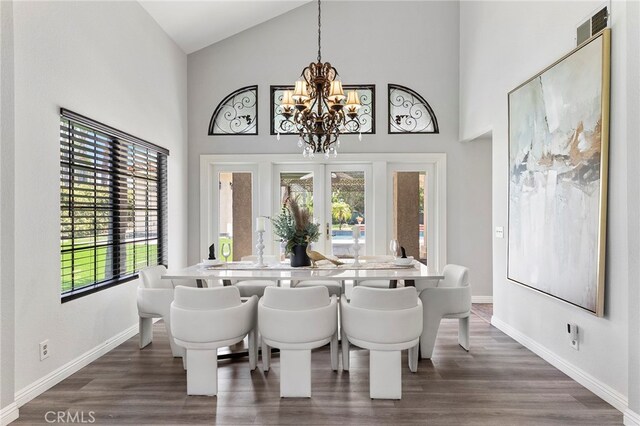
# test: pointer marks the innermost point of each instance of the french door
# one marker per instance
(390, 196)
(411, 188)
(339, 196)
(234, 201)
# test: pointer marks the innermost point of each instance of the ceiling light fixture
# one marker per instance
(315, 107)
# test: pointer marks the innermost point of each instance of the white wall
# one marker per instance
(633, 180)
(502, 45)
(109, 61)
(7, 204)
(410, 43)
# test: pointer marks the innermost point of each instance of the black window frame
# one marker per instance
(117, 157)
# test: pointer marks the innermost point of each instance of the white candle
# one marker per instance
(261, 223)
(356, 232)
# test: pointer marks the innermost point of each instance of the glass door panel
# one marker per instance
(304, 183)
(409, 212)
(298, 185)
(347, 210)
(235, 217)
(348, 203)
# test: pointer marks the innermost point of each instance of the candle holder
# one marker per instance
(260, 248)
(356, 250)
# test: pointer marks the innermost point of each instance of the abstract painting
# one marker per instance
(558, 145)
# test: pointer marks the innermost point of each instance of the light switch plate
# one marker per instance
(499, 232)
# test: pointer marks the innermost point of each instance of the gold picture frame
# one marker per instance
(558, 176)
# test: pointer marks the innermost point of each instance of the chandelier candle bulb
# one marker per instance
(300, 93)
(353, 100)
(336, 94)
(287, 99)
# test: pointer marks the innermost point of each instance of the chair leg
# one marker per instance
(463, 333)
(345, 350)
(266, 357)
(177, 351)
(202, 375)
(145, 326)
(253, 349)
(385, 375)
(334, 351)
(295, 373)
(428, 337)
(413, 358)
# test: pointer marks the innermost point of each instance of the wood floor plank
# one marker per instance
(498, 382)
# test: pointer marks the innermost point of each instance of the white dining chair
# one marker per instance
(250, 288)
(451, 298)
(154, 297)
(297, 320)
(205, 319)
(385, 321)
(334, 287)
(374, 283)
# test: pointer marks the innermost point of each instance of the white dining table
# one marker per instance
(234, 271)
(282, 271)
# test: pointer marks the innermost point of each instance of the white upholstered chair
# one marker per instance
(154, 300)
(250, 288)
(296, 320)
(385, 321)
(334, 287)
(205, 319)
(374, 283)
(451, 298)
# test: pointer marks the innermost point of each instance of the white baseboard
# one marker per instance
(604, 391)
(8, 414)
(631, 418)
(481, 299)
(45, 383)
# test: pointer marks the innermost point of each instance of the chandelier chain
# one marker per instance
(319, 32)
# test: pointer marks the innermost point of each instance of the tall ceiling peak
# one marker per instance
(197, 24)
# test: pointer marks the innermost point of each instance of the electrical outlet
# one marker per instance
(574, 336)
(44, 350)
(499, 232)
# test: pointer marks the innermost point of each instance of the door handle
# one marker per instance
(328, 231)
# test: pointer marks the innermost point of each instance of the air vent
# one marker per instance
(592, 26)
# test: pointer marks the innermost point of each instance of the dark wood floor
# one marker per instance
(498, 383)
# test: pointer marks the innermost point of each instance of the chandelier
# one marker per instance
(315, 107)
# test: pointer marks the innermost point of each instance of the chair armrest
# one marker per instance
(154, 300)
(447, 300)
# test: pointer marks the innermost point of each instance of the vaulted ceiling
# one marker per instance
(197, 24)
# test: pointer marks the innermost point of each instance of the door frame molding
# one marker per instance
(379, 163)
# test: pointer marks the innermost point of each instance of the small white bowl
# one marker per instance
(210, 262)
(403, 261)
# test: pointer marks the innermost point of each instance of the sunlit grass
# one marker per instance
(91, 264)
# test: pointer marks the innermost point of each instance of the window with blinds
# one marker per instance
(113, 205)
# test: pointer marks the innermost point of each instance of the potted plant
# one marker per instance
(294, 226)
